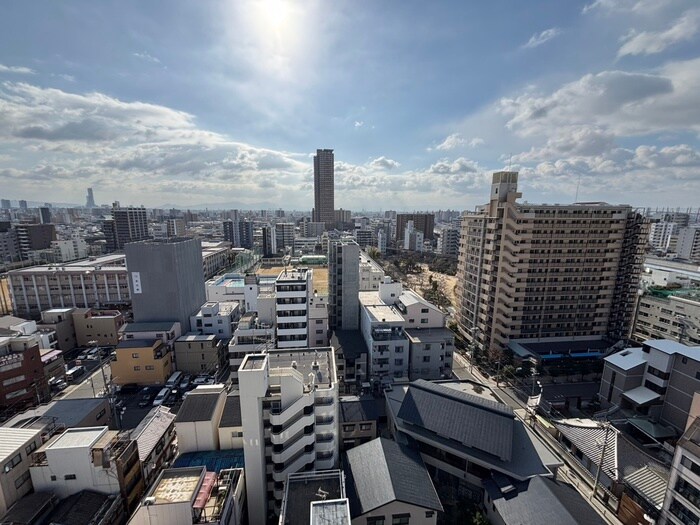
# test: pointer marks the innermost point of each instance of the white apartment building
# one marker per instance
(185, 496)
(318, 320)
(371, 274)
(413, 238)
(688, 246)
(448, 242)
(292, 290)
(381, 241)
(662, 234)
(69, 250)
(682, 501)
(16, 447)
(216, 318)
(668, 315)
(253, 292)
(289, 413)
(216, 256)
(252, 336)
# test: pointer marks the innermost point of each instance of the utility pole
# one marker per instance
(600, 463)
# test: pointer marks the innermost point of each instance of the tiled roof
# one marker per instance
(151, 429)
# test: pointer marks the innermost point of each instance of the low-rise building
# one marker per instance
(200, 354)
(668, 314)
(142, 361)
(188, 496)
(359, 419)
(197, 421)
(155, 439)
(377, 474)
(99, 327)
(431, 352)
(655, 382)
(252, 335)
(59, 414)
(60, 320)
(22, 381)
(318, 320)
(371, 274)
(89, 458)
(216, 318)
(16, 447)
(315, 498)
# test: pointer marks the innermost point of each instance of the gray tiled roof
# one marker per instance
(231, 417)
(471, 420)
(197, 407)
(650, 484)
(541, 500)
(151, 429)
(382, 471)
(355, 410)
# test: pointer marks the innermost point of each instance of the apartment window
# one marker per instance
(319, 321)
(400, 519)
(135, 355)
(13, 463)
(399, 350)
(53, 478)
(101, 413)
(426, 359)
(689, 463)
(424, 321)
(428, 346)
(348, 428)
(69, 476)
(150, 367)
(688, 491)
(365, 426)
(411, 320)
(377, 520)
(682, 512)
(424, 310)
(30, 448)
(236, 434)
(22, 480)
(398, 362)
(137, 369)
(430, 513)
(319, 331)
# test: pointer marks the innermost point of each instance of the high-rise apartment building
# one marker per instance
(292, 290)
(547, 271)
(166, 279)
(45, 215)
(232, 232)
(90, 199)
(688, 246)
(23, 205)
(289, 415)
(34, 237)
(423, 222)
(245, 229)
(324, 180)
(344, 284)
(284, 233)
(662, 235)
(269, 241)
(126, 225)
(6, 204)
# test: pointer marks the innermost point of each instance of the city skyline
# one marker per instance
(223, 104)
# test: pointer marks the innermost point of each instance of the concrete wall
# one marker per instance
(101, 328)
(418, 514)
(130, 369)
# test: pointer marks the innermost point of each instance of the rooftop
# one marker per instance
(293, 274)
(151, 430)
(84, 508)
(382, 313)
(77, 437)
(306, 487)
(382, 471)
(138, 343)
(117, 261)
(177, 485)
(198, 407)
(161, 326)
(429, 335)
(354, 409)
(213, 460)
(253, 362)
(553, 349)
(649, 483)
(231, 416)
(349, 343)
(68, 412)
(319, 361)
(12, 439)
(627, 359)
(336, 511)
(195, 337)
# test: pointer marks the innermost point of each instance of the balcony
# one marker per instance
(292, 447)
(324, 421)
(297, 425)
(278, 416)
(280, 471)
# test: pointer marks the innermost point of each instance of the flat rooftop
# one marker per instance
(195, 337)
(253, 362)
(293, 274)
(148, 327)
(429, 335)
(213, 460)
(177, 485)
(381, 313)
(318, 361)
(77, 437)
(117, 261)
(304, 488)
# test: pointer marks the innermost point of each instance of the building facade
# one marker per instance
(344, 284)
(547, 271)
(324, 187)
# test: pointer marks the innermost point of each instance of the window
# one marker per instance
(365, 426)
(689, 463)
(319, 321)
(137, 369)
(319, 331)
(426, 359)
(398, 349)
(236, 434)
(411, 320)
(400, 519)
(348, 428)
(377, 520)
(53, 478)
(398, 362)
(430, 513)
(13, 463)
(134, 355)
(424, 310)
(424, 321)
(30, 448)
(101, 413)
(150, 367)
(22, 480)
(69, 476)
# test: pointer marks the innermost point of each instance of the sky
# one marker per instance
(223, 103)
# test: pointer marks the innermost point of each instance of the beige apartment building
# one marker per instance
(547, 271)
(668, 314)
(142, 361)
(102, 327)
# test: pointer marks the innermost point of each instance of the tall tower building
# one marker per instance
(166, 279)
(45, 215)
(90, 200)
(324, 180)
(245, 233)
(344, 284)
(126, 225)
(547, 272)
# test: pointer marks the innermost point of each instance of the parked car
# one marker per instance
(186, 383)
(146, 396)
(128, 389)
(171, 399)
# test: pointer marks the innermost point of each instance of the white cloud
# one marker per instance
(18, 70)
(456, 140)
(540, 38)
(147, 57)
(651, 42)
(359, 123)
(625, 6)
(384, 163)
